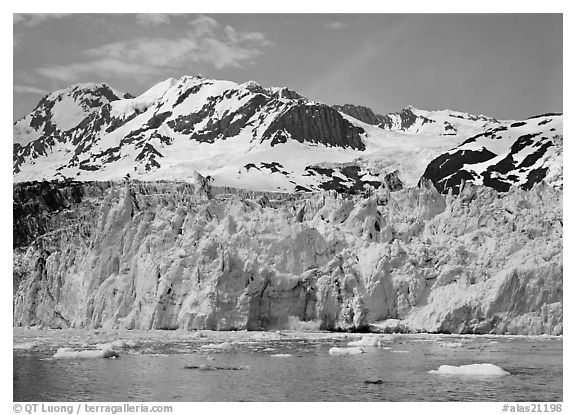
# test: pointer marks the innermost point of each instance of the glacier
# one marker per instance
(168, 255)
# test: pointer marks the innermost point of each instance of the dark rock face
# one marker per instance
(361, 113)
(287, 94)
(442, 169)
(315, 123)
(35, 204)
(407, 119)
(392, 181)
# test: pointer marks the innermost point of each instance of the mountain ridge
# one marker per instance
(240, 135)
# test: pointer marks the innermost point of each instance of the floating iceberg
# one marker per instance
(220, 346)
(25, 346)
(344, 351)
(69, 353)
(482, 369)
(281, 355)
(455, 344)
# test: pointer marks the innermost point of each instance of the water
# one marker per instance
(154, 369)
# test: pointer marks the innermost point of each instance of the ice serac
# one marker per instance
(160, 255)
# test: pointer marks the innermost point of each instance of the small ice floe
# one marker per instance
(25, 346)
(268, 349)
(476, 369)
(206, 367)
(281, 355)
(400, 351)
(210, 358)
(345, 351)
(218, 346)
(69, 353)
(453, 344)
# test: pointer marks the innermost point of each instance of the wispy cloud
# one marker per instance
(152, 19)
(26, 89)
(206, 43)
(335, 25)
(34, 19)
(17, 40)
(101, 67)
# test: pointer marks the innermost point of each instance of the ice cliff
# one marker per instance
(159, 255)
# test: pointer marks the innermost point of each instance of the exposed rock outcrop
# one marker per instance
(361, 113)
(315, 123)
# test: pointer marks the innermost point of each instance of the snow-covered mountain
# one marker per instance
(63, 110)
(240, 135)
(520, 154)
(416, 121)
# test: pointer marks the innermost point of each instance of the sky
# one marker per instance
(508, 66)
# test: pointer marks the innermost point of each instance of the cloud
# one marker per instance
(34, 19)
(205, 43)
(335, 25)
(152, 19)
(101, 67)
(26, 89)
(17, 40)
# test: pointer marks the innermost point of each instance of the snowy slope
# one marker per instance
(241, 135)
(416, 121)
(520, 154)
(63, 110)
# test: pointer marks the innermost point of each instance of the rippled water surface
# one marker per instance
(151, 367)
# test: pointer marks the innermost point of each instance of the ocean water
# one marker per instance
(152, 367)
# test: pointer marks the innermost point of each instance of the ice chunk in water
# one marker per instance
(220, 346)
(454, 344)
(344, 351)
(69, 353)
(281, 355)
(25, 346)
(483, 369)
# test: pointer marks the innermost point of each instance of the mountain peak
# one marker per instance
(242, 135)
